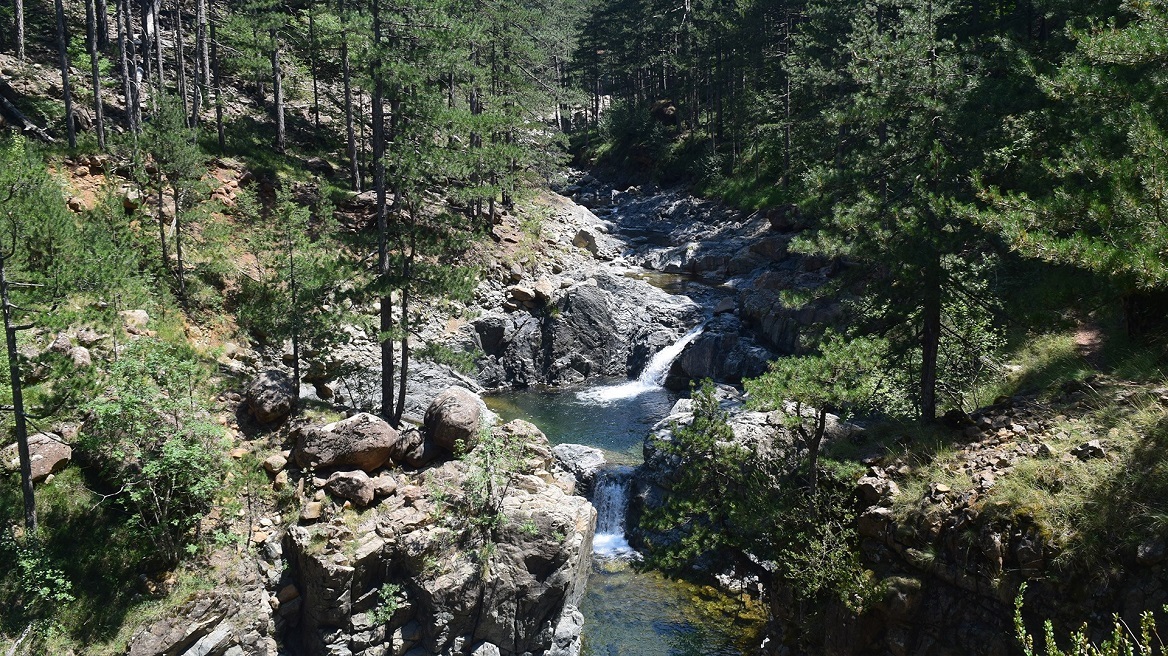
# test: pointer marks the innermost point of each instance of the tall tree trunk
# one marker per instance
(312, 67)
(387, 363)
(180, 59)
(294, 315)
(19, 10)
(91, 27)
(277, 88)
(182, 278)
(162, 224)
(930, 339)
(407, 264)
(30, 518)
(156, 14)
(350, 133)
(124, 46)
(102, 11)
(202, 49)
(218, 90)
(63, 55)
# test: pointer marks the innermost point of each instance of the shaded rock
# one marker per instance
(356, 486)
(48, 455)
(1089, 450)
(875, 490)
(417, 449)
(271, 396)
(454, 418)
(363, 441)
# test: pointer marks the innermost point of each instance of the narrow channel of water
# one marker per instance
(630, 611)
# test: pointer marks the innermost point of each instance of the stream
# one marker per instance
(630, 610)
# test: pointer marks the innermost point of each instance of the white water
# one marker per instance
(611, 498)
(650, 378)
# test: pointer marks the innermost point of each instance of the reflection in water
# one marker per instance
(631, 613)
(619, 428)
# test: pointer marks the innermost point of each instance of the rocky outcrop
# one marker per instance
(48, 454)
(724, 351)
(608, 325)
(415, 576)
(271, 396)
(362, 441)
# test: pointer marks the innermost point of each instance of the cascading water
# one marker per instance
(611, 498)
(651, 378)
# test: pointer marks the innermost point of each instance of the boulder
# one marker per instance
(521, 294)
(356, 486)
(271, 396)
(544, 289)
(80, 357)
(583, 462)
(363, 441)
(135, 321)
(417, 449)
(586, 239)
(274, 463)
(455, 417)
(48, 455)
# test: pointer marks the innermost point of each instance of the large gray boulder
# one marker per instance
(47, 452)
(362, 441)
(271, 396)
(583, 462)
(454, 419)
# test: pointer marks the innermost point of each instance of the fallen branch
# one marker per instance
(15, 116)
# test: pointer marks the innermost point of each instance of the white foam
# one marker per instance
(651, 378)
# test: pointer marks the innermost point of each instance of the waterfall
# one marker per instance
(651, 377)
(611, 498)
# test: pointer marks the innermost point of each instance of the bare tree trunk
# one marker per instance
(64, 61)
(162, 225)
(180, 57)
(312, 66)
(30, 518)
(156, 15)
(182, 279)
(930, 340)
(350, 134)
(123, 45)
(19, 29)
(407, 264)
(202, 49)
(102, 15)
(278, 89)
(387, 363)
(218, 90)
(91, 27)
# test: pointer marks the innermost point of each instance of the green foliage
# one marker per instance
(155, 442)
(42, 586)
(1122, 641)
(387, 603)
(730, 497)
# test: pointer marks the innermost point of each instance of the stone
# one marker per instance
(281, 481)
(356, 486)
(521, 294)
(544, 289)
(363, 441)
(135, 321)
(875, 490)
(61, 345)
(48, 455)
(486, 649)
(81, 357)
(583, 462)
(312, 511)
(587, 240)
(725, 305)
(271, 396)
(384, 486)
(275, 463)
(1089, 450)
(88, 337)
(454, 419)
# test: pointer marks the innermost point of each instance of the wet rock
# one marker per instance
(271, 396)
(363, 441)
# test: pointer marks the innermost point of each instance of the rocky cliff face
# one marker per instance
(408, 578)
